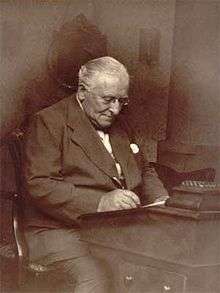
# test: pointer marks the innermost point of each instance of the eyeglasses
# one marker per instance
(107, 100)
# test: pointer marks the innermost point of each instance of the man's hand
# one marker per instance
(118, 199)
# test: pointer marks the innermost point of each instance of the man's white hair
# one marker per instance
(103, 65)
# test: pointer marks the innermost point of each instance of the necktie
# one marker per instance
(105, 140)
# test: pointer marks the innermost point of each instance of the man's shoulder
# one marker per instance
(59, 108)
(58, 113)
(54, 117)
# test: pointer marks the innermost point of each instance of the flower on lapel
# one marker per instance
(134, 147)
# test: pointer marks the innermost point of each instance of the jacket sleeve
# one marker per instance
(153, 188)
(46, 187)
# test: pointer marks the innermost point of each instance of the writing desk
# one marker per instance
(157, 249)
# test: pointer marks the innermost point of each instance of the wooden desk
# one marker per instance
(158, 249)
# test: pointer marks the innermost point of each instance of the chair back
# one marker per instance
(15, 145)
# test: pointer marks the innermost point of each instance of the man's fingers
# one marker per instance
(124, 205)
(129, 202)
(132, 196)
(126, 202)
(118, 199)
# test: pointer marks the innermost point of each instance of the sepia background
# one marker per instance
(170, 47)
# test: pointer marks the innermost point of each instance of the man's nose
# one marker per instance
(115, 107)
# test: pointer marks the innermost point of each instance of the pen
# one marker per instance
(118, 182)
(122, 187)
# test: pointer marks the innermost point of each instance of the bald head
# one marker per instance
(102, 68)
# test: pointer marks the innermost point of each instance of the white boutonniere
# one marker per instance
(134, 147)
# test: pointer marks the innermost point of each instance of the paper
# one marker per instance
(158, 203)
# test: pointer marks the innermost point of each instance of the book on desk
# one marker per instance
(196, 195)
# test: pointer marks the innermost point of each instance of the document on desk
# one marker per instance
(157, 203)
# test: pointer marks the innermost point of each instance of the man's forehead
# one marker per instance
(102, 81)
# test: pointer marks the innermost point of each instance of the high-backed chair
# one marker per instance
(32, 277)
(29, 274)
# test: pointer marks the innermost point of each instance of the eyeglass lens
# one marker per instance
(122, 101)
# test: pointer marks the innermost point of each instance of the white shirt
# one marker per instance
(106, 141)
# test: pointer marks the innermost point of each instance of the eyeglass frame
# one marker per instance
(111, 98)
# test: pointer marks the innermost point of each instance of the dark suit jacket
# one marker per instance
(67, 168)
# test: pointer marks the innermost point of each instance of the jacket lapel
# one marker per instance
(121, 148)
(83, 133)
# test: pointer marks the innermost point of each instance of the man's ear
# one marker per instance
(81, 92)
(82, 87)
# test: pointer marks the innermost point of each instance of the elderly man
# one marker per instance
(80, 159)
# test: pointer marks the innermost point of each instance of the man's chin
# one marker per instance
(102, 125)
(106, 123)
